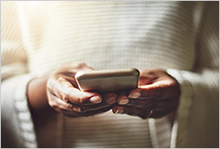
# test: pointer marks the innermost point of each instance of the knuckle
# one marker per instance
(69, 107)
(65, 97)
(82, 99)
(77, 109)
(78, 100)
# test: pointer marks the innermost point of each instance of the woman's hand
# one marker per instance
(64, 95)
(157, 93)
(60, 91)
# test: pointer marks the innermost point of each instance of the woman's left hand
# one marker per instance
(157, 95)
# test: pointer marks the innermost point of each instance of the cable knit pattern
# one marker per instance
(180, 37)
(23, 114)
(17, 125)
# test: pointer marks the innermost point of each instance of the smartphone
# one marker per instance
(102, 81)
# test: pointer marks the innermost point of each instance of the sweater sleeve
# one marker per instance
(198, 113)
(16, 121)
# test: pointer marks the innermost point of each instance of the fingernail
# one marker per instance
(124, 101)
(95, 99)
(134, 95)
(111, 100)
(119, 111)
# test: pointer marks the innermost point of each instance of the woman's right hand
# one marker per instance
(63, 94)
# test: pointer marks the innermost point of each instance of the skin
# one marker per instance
(156, 91)
(58, 91)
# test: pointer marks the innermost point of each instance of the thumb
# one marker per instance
(64, 90)
(78, 97)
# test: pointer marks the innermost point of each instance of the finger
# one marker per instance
(110, 98)
(65, 91)
(95, 107)
(75, 96)
(138, 112)
(160, 109)
(84, 113)
(123, 99)
(90, 108)
(158, 90)
(143, 113)
(139, 103)
(91, 113)
(78, 111)
(71, 79)
(56, 102)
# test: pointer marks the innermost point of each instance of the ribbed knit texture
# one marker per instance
(181, 37)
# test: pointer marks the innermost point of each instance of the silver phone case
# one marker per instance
(101, 81)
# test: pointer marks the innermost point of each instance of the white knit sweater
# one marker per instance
(180, 37)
